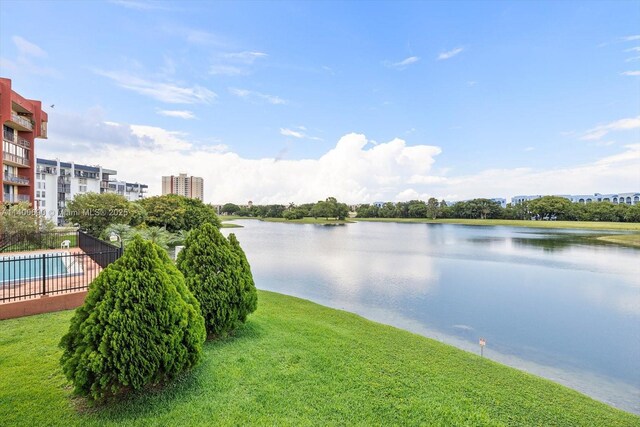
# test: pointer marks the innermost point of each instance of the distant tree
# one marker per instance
(139, 325)
(21, 218)
(367, 211)
(550, 206)
(213, 272)
(433, 208)
(138, 214)
(417, 209)
(388, 210)
(230, 208)
(175, 212)
(94, 212)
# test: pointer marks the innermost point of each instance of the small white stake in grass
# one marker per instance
(482, 344)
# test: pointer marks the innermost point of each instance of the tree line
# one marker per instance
(328, 208)
(544, 208)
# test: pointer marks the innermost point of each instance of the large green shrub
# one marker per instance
(213, 271)
(139, 325)
(248, 292)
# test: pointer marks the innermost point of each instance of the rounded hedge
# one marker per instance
(215, 273)
(248, 292)
(139, 325)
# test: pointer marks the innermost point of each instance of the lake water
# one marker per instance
(546, 301)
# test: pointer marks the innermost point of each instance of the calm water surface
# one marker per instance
(547, 301)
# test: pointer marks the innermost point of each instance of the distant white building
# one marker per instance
(615, 198)
(58, 182)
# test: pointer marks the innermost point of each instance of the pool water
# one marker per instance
(21, 268)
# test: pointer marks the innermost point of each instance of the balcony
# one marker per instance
(14, 160)
(16, 179)
(23, 143)
(21, 122)
(15, 198)
(64, 188)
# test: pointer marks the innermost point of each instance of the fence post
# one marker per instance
(44, 274)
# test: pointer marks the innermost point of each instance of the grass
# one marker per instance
(590, 225)
(230, 225)
(297, 363)
(622, 239)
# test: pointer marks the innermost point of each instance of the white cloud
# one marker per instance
(166, 92)
(27, 48)
(298, 134)
(182, 114)
(257, 96)
(529, 148)
(402, 64)
(354, 170)
(26, 62)
(633, 49)
(449, 54)
(631, 73)
(619, 125)
(246, 57)
(289, 132)
(227, 70)
(235, 63)
(631, 38)
(139, 4)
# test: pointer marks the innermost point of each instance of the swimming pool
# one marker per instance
(22, 268)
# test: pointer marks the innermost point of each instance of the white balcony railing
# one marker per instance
(16, 179)
(15, 198)
(22, 121)
(8, 157)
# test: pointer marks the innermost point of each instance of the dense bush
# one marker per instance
(213, 271)
(248, 292)
(94, 212)
(139, 325)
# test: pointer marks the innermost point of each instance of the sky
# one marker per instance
(279, 102)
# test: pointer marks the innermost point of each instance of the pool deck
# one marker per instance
(53, 285)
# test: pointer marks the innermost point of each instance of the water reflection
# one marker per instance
(543, 300)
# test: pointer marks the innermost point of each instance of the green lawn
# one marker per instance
(591, 225)
(297, 363)
(230, 225)
(623, 239)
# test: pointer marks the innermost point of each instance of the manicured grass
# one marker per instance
(230, 225)
(591, 225)
(297, 363)
(622, 239)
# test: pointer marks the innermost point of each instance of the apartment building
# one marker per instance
(183, 185)
(615, 198)
(22, 122)
(58, 182)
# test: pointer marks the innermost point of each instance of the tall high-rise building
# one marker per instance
(22, 122)
(183, 185)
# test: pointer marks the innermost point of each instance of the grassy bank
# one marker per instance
(622, 239)
(297, 363)
(230, 225)
(589, 225)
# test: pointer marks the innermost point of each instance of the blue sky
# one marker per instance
(498, 98)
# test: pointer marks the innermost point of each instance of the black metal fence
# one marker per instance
(101, 252)
(48, 272)
(21, 242)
